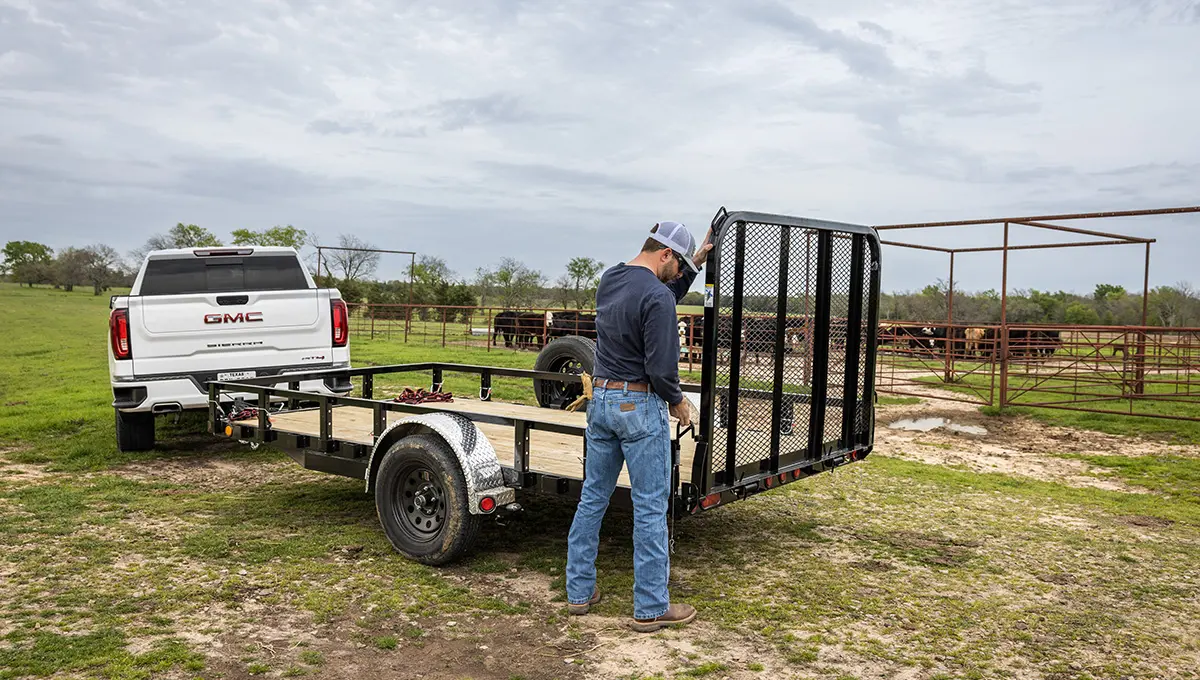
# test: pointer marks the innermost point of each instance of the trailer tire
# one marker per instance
(567, 354)
(135, 431)
(422, 502)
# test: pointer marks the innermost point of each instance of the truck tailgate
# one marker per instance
(226, 331)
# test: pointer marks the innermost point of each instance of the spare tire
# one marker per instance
(568, 354)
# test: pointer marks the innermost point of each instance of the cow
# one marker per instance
(521, 329)
(974, 340)
(572, 323)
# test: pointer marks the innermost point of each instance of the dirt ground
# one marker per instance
(1013, 445)
(546, 644)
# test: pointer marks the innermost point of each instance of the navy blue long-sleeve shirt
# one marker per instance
(637, 329)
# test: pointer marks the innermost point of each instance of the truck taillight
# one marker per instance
(118, 331)
(341, 323)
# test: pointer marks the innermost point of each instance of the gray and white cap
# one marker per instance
(677, 237)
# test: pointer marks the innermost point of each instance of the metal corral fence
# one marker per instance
(1132, 370)
(1135, 370)
(495, 327)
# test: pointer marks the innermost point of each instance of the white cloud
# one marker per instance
(553, 129)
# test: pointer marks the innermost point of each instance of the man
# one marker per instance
(636, 384)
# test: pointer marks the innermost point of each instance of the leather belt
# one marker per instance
(620, 384)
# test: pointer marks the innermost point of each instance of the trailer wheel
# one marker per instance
(568, 354)
(135, 431)
(422, 502)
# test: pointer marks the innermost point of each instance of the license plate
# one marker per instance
(234, 376)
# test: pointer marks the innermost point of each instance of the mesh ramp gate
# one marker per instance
(791, 309)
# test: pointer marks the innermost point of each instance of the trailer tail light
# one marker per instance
(487, 504)
(712, 500)
(118, 333)
(341, 323)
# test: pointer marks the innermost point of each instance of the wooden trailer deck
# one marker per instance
(549, 452)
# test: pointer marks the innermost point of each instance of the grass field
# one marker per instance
(204, 559)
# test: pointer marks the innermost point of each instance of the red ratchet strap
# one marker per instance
(421, 396)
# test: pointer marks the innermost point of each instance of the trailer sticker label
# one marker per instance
(708, 295)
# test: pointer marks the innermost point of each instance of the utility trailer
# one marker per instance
(789, 394)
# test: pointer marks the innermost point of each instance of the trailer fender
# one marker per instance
(475, 454)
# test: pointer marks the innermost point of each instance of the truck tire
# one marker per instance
(422, 502)
(135, 431)
(568, 354)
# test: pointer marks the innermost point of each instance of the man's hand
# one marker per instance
(682, 412)
(702, 254)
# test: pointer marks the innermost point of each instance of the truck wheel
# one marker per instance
(421, 498)
(568, 354)
(135, 431)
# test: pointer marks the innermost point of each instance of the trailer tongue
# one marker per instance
(787, 391)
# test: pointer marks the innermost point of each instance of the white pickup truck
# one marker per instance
(200, 314)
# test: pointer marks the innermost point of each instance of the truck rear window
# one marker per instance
(222, 275)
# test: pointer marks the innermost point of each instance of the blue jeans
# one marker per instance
(631, 428)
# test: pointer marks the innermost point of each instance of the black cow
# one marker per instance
(925, 338)
(1023, 342)
(521, 328)
(572, 323)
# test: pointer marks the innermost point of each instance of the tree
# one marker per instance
(354, 265)
(190, 236)
(583, 275)
(1107, 291)
(1079, 313)
(484, 280)
(70, 268)
(288, 237)
(564, 293)
(180, 236)
(516, 284)
(27, 261)
(104, 267)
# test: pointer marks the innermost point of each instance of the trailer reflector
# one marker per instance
(710, 501)
(487, 504)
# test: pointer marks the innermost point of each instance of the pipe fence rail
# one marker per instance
(1132, 370)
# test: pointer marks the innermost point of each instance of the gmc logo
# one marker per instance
(240, 317)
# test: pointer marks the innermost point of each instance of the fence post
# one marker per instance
(443, 326)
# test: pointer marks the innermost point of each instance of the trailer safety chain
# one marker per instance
(421, 396)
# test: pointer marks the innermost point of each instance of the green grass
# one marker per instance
(896, 566)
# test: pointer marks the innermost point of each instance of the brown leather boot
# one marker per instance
(581, 609)
(676, 615)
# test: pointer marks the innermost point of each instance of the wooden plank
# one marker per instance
(550, 452)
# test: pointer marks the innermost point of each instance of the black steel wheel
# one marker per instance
(573, 354)
(422, 502)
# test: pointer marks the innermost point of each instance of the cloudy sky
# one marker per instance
(547, 130)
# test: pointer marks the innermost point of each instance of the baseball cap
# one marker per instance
(677, 237)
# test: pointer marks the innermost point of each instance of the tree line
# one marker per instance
(512, 284)
(1108, 304)
(351, 268)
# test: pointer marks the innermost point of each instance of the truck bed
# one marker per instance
(549, 452)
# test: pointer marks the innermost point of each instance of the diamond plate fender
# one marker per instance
(475, 455)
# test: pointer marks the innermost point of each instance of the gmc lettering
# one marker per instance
(240, 317)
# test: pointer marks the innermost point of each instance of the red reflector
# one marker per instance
(795, 474)
(710, 500)
(118, 330)
(769, 482)
(341, 323)
(783, 478)
(487, 504)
